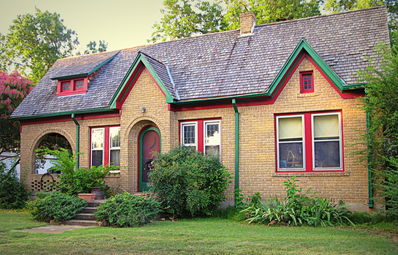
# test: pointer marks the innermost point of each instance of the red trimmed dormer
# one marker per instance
(72, 86)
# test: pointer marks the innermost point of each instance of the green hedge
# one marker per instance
(12, 192)
(56, 206)
(126, 210)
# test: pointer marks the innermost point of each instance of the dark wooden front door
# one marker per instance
(149, 142)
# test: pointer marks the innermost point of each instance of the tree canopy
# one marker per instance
(35, 41)
(13, 89)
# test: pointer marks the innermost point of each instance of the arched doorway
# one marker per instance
(52, 141)
(149, 146)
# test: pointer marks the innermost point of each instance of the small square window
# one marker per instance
(79, 84)
(65, 86)
(306, 82)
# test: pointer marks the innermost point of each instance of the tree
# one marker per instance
(184, 18)
(92, 47)
(267, 11)
(13, 89)
(35, 42)
(381, 103)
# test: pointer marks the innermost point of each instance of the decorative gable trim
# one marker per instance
(140, 63)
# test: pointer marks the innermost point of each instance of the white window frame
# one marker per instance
(96, 149)
(340, 142)
(205, 134)
(189, 123)
(113, 148)
(302, 142)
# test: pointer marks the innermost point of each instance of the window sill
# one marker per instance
(311, 174)
(114, 174)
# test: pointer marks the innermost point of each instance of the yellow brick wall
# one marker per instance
(257, 141)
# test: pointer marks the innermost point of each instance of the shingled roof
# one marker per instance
(218, 64)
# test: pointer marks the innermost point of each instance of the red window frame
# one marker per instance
(72, 87)
(200, 132)
(308, 142)
(106, 154)
(302, 78)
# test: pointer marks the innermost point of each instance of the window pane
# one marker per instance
(212, 134)
(79, 84)
(115, 157)
(97, 138)
(326, 126)
(213, 150)
(114, 133)
(65, 85)
(189, 134)
(290, 128)
(290, 155)
(96, 158)
(327, 154)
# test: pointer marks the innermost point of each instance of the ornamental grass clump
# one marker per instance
(187, 183)
(126, 210)
(296, 209)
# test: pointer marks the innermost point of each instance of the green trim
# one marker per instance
(62, 113)
(236, 149)
(144, 185)
(140, 59)
(77, 140)
(370, 175)
(302, 45)
(85, 74)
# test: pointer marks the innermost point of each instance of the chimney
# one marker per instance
(247, 23)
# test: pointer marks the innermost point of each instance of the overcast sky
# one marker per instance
(121, 23)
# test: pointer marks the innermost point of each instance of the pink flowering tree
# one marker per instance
(13, 89)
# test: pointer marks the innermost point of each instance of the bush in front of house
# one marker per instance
(187, 183)
(12, 192)
(56, 206)
(127, 210)
(297, 208)
(76, 180)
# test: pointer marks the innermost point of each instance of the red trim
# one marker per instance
(105, 156)
(72, 87)
(200, 131)
(63, 119)
(302, 77)
(308, 141)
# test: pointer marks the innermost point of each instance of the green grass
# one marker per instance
(197, 236)
(16, 219)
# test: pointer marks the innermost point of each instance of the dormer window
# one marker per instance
(72, 87)
(306, 82)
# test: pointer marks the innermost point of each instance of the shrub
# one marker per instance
(126, 210)
(12, 192)
(296, 209)
(187, 183)
(73, 181)
(56, 206)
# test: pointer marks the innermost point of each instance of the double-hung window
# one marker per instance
(105, 146)
(202, 135)
(309, 142)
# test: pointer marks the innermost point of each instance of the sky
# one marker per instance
(121, 23)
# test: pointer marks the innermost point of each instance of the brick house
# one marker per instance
(270, 101)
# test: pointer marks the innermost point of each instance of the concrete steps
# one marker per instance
(86, 216)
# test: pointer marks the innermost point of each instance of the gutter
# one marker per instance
(236, 188)
(77, 139)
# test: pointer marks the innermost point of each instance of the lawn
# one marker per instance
(197, 236)
(16, 219)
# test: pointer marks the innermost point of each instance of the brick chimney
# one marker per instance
(247, 23)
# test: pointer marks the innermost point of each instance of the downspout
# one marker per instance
(370, 156)
(236, 150)
(77, 139)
